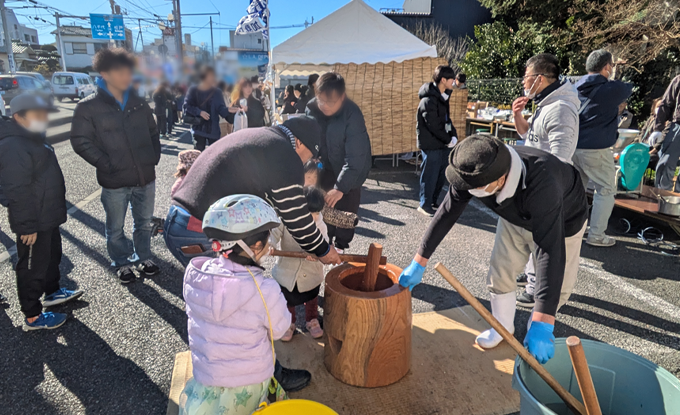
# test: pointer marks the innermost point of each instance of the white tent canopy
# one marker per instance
(355, 33)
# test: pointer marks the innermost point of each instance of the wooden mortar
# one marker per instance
(367, 322)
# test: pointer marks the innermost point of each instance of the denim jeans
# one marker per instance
(433, 178)
(140, 200)
(177, 235)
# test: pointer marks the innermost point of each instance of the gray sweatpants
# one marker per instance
(511, 251)
(668, 158)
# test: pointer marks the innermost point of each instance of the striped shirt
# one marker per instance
(260, 162)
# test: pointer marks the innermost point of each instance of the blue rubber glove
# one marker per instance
(540, 341)
(411, 275)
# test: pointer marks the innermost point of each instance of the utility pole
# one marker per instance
(8, 38)
(140, 36)
(61, 43)
(212, 43)
(178, 34)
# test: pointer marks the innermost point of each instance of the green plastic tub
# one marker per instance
(626, 384)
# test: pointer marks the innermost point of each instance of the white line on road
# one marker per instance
(615, 281)
(12, 250)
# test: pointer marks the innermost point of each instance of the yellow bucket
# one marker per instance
(294, 407)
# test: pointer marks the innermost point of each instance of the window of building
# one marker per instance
(99, 46)
(80, 48)
(259, 41)
(27, 38)
(33, 39)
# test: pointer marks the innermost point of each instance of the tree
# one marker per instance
(449, 48)
(502, 52)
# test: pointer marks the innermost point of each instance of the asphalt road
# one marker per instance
(115, 354)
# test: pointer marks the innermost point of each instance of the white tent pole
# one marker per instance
(272, 75)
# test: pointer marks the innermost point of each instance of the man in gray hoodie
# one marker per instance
(552, 128)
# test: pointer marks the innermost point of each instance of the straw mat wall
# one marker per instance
(388, 96)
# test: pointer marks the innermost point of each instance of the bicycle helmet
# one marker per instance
(234, 218)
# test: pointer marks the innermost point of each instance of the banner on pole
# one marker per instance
(257, 19)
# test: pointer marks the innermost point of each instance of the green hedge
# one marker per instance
(496, 91)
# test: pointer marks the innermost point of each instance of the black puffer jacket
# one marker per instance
(345, 148)
(31, 180)
(433, 116)
(123, 144)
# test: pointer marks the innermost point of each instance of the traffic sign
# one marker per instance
(107, 26)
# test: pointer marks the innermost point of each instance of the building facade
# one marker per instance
(80, 47)
(459, 17)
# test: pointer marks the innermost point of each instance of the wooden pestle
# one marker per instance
(582, 371)
(344, 257)
(372, 268)
(572, 403)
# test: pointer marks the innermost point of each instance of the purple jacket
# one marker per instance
(228, 325)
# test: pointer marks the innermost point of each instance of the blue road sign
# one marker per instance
(107, 26)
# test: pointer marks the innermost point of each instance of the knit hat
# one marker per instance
(187, 158)
(477, 161)
(307, 130)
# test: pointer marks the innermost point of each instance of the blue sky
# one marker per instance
(283, 13)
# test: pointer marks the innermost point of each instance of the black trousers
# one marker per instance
(201, 142)
(38, 270)
(162, 122)
(349, 203)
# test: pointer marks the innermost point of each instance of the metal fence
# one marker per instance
(498, 91)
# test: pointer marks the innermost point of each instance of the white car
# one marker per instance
(2, 106)
(72, 85)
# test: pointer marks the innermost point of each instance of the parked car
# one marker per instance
(2, 106)
(39, 77)
(13, 85)
(72, 85)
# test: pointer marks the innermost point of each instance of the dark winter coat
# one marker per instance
(255, 112)
(345, 147)
(122, 143)
(31, 180)
(289, 105)
(215, 106)
(433, 116)
(162, 102)
(599, 120)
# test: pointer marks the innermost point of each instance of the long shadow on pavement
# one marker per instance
(81, 361)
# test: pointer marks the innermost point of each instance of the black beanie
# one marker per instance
(477, 161)
(307, 130)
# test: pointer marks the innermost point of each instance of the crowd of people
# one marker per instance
(238, 194)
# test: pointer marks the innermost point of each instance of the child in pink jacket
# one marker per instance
(234, 313)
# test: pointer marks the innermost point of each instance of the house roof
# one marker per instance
(74, 31)
(19, 48)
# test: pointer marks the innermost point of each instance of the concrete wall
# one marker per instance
(19, 31)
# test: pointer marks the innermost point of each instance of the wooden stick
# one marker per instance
(582, 371)
(573, 404)
(344, 257)
(372, 268)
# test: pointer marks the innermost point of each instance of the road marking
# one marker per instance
(12, 250)
(615, 281)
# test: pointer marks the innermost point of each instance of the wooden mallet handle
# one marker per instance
(582, 371)
(344, 257)
(573, 403)
(372, 267)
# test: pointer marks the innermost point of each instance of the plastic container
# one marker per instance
(295, 407)
(626, 384)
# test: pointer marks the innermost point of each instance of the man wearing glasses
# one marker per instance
(552, 128)
(345, 150)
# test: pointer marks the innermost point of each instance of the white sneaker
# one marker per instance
(604, 241)
(503, 308)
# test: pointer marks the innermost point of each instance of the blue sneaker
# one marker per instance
(61, 296)
(47, 321)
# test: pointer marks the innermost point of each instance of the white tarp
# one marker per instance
(355, 33)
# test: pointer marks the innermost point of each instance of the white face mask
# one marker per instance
(37, 126)
(528, 93)
(482, 192)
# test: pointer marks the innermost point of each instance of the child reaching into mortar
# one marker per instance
(301, 279)
(234, 313)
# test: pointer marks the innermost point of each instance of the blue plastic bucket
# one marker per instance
(626, 384)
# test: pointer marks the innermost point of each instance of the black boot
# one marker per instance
(291, 380)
